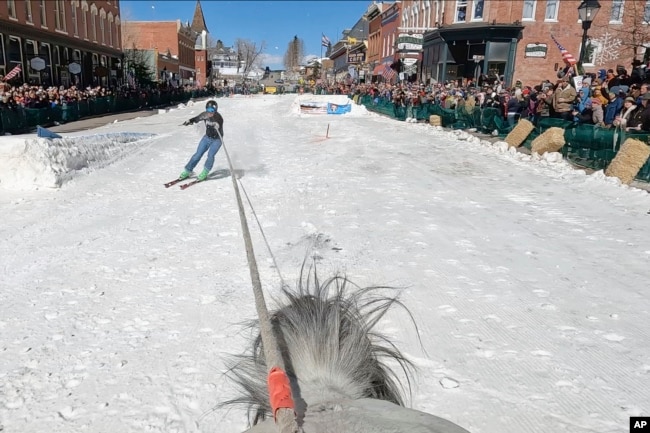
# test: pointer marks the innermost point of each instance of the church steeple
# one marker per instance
(198, 23)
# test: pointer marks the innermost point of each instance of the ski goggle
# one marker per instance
(210, 110)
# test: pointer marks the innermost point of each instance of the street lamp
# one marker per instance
(586, 12)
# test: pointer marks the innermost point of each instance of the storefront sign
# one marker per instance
(535, 50)
(359, 57)
(37, 64)
(74, 68)
(406, 42)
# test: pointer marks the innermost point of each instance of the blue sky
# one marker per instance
(275, 22)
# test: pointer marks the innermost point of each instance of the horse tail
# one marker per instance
(327, 337)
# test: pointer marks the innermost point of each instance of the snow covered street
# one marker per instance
(120, 299)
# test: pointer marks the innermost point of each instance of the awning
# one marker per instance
(378, 69)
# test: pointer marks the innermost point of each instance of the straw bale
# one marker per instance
(435, 120)
(519, 133)
(629, 160)
(551, 140)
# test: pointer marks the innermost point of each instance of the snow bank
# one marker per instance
(32, 162)
(552, 162)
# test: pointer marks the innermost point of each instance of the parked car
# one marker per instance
(279, 81)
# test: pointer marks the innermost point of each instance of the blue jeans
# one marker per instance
(212, 146)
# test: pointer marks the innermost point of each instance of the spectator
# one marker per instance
(641, 117)
(642, 91)
(585, 115)
(613, 108)
(626, 114)
(638, 74)
(563, 100)
(597, 112)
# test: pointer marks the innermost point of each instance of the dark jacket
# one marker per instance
(645, 118)
(212, 120)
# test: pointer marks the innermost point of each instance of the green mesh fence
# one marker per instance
(590, 146)
(586, 145)
(23, 119)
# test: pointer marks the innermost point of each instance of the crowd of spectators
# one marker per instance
(611, 98)
(38, 96)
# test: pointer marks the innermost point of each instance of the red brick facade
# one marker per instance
(617, 26)
(62, 32)
(165, 37)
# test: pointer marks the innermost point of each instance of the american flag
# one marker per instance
(388, 73)
(324, 40)
(15, 71)
(566, 56)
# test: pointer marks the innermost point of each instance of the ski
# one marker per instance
(174, 182)
(189, 184)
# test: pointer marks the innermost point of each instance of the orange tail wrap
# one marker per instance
(279, 390)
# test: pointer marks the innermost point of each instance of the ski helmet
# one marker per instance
(211, 106)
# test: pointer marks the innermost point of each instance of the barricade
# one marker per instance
(586, 145)
(22, 119)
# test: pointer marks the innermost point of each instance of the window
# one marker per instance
(110, 29)
(461, 11)
(646, 12)
(101, 27)
(59, 15)
(529, 10)
(93, 23)
(592, 53)
(477, 13)
(73, 16)
(28, 12)
(551, 10)
(84, 21)
(43, 14)
(617, 11)
(11, 8)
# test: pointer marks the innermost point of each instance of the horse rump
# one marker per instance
(338, 364)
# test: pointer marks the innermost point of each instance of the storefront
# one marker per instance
(469, 52)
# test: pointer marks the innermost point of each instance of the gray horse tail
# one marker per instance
(331, 350)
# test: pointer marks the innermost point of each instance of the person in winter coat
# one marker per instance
(613, 108)
(597, 112)
(584, 115)
(211, 141)
(563, 99)
(629, 107)
(640, 120)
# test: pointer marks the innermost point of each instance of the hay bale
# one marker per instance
(519, 133)
(435, 120)
(551, 140)
(629, 160)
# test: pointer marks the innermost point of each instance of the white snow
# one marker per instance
(119, 298)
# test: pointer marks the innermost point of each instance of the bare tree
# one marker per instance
(635, 32)
(248, 54)
(212, 42)
(138, 63)
(294, 55)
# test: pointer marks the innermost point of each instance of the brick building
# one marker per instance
(201, 56)
(390, 23)
(373, 16)
(169, 46)
(57, 42)
(467, 38)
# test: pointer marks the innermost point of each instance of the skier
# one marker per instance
(211, 141)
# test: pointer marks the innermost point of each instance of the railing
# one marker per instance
(25, 119)
(586, 145)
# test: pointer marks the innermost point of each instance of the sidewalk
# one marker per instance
(94, 122)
